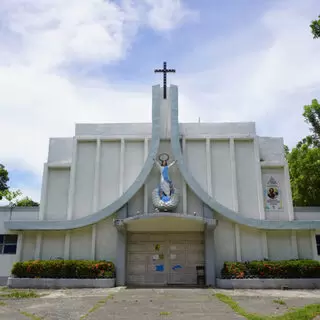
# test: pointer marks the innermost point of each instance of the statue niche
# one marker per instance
(165, 197)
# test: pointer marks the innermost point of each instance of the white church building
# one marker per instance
(160, 199)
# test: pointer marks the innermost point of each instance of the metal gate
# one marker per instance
(164, 258)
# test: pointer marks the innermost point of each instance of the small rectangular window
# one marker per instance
(318, 243)
(8, 243)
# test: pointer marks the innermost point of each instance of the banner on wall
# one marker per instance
(273, 201)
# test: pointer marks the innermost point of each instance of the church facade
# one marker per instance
(162, 199)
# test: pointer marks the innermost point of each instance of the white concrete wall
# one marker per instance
(246, 179)
(196, 161)
(221, 172)
(108, 130)
(81, 243)
(60, 150)
(251, 246)
(84, 181)
(6, 260)
(52, 245)
(224, 244)
(307, 213)
(56, 203)
(29, 245)
(18, 213)
(194, 204)
(109, 182)
(304, 245)
(271, 149)
(279, 245)
(133, 162)
(152, 182)
(106, 240)
(214, 130)
(135, 205)
(145, 129)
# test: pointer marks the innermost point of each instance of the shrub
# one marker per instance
(71, 269)
(285, 269)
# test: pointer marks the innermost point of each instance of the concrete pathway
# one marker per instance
(146, 304)
(143, 304)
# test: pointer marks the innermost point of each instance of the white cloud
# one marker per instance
(272, 71)
(39, 40)
(264, 71)
(165, 14)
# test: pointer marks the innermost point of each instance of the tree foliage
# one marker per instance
(12, 196)
(304, 168)
(312, 117)
(26, 202)
(304, 161)
(315, 28)
(4, 178)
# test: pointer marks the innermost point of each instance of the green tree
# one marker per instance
(4, 178)
(304, 168)
(26, 202)
(315, 28)
(12, 196)
(312, 117)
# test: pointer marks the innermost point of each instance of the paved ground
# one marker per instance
(145, 304)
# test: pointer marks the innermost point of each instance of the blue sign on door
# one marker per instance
(160, 267)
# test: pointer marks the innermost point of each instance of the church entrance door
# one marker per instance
(164, 258)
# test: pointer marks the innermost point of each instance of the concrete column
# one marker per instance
(44, 191)
(184, 185)
(67, 239)
(264, 243)
(121, 174)
(208, 164)
(93, 241)
(95, 200)
(121, 257)
(72, 179)
(37, 251)
(315, 255)
(238, 242)
(235, 199)
(287, 186)
(210, 256)
(294, 244)
(262, 214)
(96, 181)
(145, 187)
(19, 246)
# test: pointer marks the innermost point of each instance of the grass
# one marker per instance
(98, 305)
(20, 295)
(308, 312)
(279, 301)
(165, 313)
(30, 315)
(2, 303)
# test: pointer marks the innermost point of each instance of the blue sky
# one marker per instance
(63, 62)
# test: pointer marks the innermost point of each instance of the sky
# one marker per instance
(92, 61)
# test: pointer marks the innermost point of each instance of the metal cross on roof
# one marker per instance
(164, 70)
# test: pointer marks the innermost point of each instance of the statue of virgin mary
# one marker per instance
(166, 186)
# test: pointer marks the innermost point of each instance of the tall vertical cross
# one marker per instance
(164, 71)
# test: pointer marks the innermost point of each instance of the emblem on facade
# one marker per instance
(165, 197)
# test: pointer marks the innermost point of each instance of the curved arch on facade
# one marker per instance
(210, 201)
(120, 202)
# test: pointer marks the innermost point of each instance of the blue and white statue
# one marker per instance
(165, 197)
